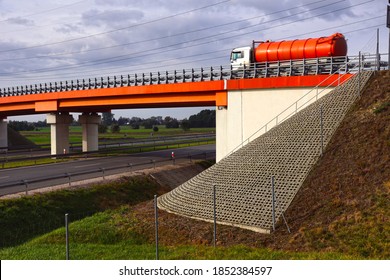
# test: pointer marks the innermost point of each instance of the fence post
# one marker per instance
(25, 182)
(322, 129)
(273, 201)
(215, 215)
(68, 175)
(102, 169)
(359, 73)
(378, 67)
(67, 236)
(156, 222)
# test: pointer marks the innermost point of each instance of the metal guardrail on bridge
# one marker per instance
(324, 65)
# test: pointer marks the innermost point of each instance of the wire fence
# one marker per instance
(143, 235)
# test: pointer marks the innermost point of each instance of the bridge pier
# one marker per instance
(59, 129)
(3, 135)
(90, 127)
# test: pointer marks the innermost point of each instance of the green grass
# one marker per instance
(28, 162)
(26, 217)
(42, 135)
(108, 236)
(382, 107)
(104, 226)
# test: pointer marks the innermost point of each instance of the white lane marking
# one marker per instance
(4, 177)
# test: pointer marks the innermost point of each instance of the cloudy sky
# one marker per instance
(57, 40)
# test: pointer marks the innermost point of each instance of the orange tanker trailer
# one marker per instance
(311, 48)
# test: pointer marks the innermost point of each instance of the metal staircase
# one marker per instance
(243, 179)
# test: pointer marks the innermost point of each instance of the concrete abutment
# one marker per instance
(249, 110)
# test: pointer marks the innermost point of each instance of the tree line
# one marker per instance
(205, 118)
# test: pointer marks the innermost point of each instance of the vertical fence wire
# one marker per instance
(67, 235)
(322, 128)
(156, 225)
(215, 215)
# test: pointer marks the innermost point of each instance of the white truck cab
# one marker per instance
(240, 57)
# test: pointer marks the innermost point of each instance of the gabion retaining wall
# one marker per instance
(243, 179)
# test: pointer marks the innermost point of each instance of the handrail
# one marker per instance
(276, 119)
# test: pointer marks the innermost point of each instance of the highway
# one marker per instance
(95, 167)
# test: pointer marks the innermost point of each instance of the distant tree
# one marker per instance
(135, 125)
(21, 126)
(185, 125)
(171, 122)
(123, 121)
(108, 118)
(154, 120)
(135, 122)
(115, 128)
(205, 118)
(147, 124)
(102, 128)
(40, 124)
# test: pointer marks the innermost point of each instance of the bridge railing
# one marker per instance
(327, 65)
(354, 65)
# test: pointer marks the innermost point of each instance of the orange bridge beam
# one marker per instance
(192, 94)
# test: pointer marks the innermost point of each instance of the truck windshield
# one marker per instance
(237, 55)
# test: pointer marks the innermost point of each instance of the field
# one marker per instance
(42, 135)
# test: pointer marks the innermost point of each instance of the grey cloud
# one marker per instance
(20, 21)
(69, 28)
(115, 3)
(113, 18)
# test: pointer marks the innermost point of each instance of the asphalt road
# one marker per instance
(95, 167)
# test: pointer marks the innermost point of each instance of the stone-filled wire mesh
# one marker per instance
(243, 179)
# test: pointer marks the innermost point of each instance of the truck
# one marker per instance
(262, 52)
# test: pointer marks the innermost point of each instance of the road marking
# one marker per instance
(86, 165)
(4, 177)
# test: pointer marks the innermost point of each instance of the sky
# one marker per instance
(57, 40)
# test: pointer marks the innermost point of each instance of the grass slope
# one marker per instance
(29, 216)
(115, 234)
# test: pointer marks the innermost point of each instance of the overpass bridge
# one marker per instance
(245, 98)
(257, 174)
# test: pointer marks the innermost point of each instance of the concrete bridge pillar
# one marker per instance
(3, 135)
(90, 126)
(59, 132)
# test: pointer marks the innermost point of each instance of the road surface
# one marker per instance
(95, 167)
